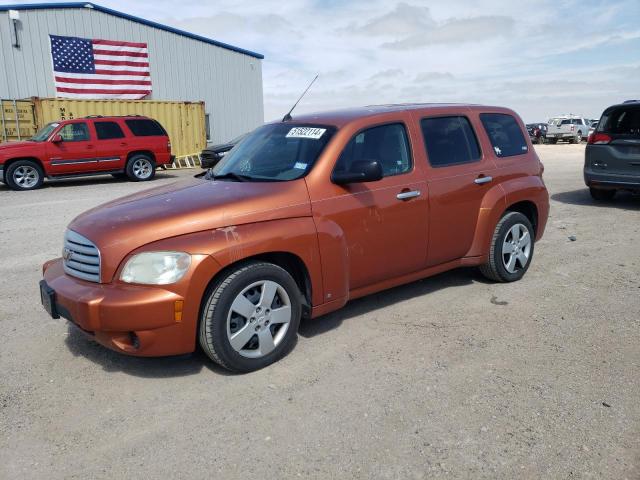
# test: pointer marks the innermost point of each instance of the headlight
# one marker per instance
(156, 268)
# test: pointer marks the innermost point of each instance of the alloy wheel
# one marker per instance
(258, 319)
(26, 177)
(142, 168)
(516, 248)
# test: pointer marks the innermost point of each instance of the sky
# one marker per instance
(541, 58)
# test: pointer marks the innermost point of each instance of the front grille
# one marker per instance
(81, 258)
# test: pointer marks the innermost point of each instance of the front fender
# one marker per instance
(228, 245)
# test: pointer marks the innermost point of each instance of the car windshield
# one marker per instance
(276, 152)
(44, 132)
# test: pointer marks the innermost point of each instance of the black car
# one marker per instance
(212, 155)
(612, 156)
(537, 132)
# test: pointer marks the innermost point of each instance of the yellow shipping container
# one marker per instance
(183, 121)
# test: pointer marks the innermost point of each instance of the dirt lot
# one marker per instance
(447, 377)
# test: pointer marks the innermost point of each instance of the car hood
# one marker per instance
(10, 147)
(189, 206)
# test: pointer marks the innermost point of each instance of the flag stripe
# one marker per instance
(113, 48)
(118, 43)
(134, 61)
(102, 81)
(121, 63)
(116, 53)
(122, 96)
(108, 75)
(98, 90)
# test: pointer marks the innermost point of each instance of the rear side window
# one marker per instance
(108, 130)
(74, 132)
(449, 141)
(622, 121)
(504, 133)
(145, 127)
(388, 144)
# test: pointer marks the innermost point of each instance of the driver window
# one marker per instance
(388, 144)
(74, 132)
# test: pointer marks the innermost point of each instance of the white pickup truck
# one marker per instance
(568, 127)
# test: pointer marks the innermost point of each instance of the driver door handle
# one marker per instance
(408, 195)
(483, 179)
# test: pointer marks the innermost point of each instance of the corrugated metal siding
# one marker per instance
(184, 122)
(183, 69)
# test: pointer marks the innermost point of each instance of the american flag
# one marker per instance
(90, 68)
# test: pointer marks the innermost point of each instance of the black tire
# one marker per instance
(135, 174)
(601, 194)
(495, 268)
(216, 308)
(17, 171)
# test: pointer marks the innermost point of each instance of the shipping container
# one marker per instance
(184, 121)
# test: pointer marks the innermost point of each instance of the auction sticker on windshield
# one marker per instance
(306, 132)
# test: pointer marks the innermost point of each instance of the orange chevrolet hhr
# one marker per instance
(298, 218)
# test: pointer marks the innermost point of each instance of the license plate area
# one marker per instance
(48, 299)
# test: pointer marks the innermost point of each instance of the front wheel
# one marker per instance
(24, 175)
(250, 318)
(511, 249)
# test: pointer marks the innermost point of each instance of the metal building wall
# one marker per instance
(182, 68)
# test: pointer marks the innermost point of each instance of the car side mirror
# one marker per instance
(56, 138)
(363, 171)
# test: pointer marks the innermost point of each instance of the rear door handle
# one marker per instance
(481, 180)
(408, 195)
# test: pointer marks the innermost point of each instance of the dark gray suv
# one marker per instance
(612, 156)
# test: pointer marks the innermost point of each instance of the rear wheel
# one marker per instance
(250, 318)
(511, 249)
(601, 194)
(140, 168)
(579, 137)
(24, 175)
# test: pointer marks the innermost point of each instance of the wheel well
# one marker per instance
(289, 262)
(529, 210)
(8, 163)
(142, 152)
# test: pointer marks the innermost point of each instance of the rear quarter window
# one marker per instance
(145, 128)
(449, 140)
(505, 134)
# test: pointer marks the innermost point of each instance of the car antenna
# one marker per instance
(287, 117)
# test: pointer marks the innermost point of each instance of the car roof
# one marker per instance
(105, 117)
(341, 117)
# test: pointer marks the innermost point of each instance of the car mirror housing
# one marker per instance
(363, 171)
(56, 138)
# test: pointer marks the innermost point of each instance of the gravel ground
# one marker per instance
(449, 377)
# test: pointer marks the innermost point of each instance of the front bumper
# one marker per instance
(131, 319)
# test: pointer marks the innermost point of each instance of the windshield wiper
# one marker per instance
(238, 177)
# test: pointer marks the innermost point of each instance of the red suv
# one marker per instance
(131, 146)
